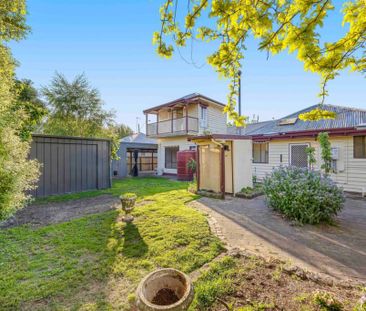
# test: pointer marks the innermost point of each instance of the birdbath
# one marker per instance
(165, 289)
(128, 204)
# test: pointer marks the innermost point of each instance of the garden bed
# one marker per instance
(243, 282)
(250, 193)
(209, 194)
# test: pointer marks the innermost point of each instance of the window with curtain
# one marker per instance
(171, 157)
(359, 147)
(260, 152)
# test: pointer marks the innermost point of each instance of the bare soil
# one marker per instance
(268, 285)
(38, 215)
(165, 297)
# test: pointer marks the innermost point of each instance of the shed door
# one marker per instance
(209, 167)
(298, 155)
(228, 169)
(67, 167)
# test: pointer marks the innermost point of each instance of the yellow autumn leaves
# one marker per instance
(280, 25)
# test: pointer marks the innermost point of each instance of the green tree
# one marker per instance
(32, 107)
(17, 173)
(123, 130)
(279, 25)
(76, 109)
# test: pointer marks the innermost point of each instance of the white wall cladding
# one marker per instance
(351, 172)
(216, 120)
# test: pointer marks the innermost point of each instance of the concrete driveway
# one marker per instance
(339, 250)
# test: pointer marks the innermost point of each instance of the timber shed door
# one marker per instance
(209, 167)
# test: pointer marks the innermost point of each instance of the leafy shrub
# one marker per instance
(17, 174)
(192, 165)
(303, 195)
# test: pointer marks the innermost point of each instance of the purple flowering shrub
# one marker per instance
(303, 195)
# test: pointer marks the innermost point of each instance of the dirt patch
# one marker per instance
(268, 285)
(39, 215)
(165, 297)
(45, 214)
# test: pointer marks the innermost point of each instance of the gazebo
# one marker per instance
(146, 161)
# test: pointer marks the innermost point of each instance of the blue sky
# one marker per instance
(111, 41)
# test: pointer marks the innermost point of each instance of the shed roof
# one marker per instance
(139, 138)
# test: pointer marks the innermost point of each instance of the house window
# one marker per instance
(359, 147)
(171, 157)
(298, 155)
(260, 152)
(203, 116)
(178, 113)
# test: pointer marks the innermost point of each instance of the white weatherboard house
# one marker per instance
(283, 142)
(233, 157)
(175, 121)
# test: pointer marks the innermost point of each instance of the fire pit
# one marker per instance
(165, 289)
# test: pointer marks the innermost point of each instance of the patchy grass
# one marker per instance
(142, 186)
(248, 284)
(214, 283)
(96, 262)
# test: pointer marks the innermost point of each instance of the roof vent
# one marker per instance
(289, 121)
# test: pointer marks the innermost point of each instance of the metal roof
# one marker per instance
(185, 99)
(346, 118)
(139, 138)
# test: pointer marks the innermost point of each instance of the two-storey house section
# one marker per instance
(172, 122)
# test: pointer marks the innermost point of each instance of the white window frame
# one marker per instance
(290, 151)
(203, 117)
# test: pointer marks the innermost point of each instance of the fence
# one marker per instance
(147, 160)
(71, 164)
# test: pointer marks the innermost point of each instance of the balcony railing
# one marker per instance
(173, 126)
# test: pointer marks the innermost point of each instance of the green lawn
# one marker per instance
(142, 186)
(95, 262)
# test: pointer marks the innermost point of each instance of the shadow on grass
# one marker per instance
(134, 246)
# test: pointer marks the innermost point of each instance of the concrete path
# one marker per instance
(338, 251)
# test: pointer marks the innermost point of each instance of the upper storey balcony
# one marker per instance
(185, 116)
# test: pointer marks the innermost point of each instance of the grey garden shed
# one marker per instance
(71, 164)
(147, 160)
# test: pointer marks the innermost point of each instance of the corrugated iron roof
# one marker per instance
(187, 98)
(346, 117)
(138, 138)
